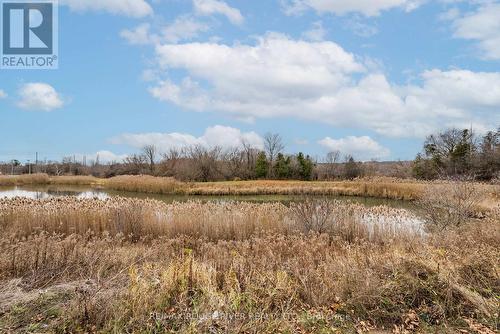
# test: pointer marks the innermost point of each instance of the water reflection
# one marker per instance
(23, 193)
(50, 193)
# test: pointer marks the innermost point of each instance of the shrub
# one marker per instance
(450, 204)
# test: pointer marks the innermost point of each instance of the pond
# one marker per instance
(43, 192)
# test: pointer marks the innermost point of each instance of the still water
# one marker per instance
(44, 192)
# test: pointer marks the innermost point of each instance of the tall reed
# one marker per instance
(135, 219)
(128, 266)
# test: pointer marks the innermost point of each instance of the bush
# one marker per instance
(451, 204)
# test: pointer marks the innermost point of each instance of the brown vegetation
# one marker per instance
(145, 184)
(20, 180)
(124, 265)
(44, 179)
(135, 219)
(379, 187)
(81, 180)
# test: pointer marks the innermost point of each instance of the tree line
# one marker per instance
(200, 163)
(450, 153)
(455, 152)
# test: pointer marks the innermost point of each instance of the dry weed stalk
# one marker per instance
(124, 265)
(451, 204)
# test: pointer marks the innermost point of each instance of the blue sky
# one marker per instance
(366, 77)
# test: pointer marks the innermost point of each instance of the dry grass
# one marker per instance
(20, 180)
(135, 219)
(368, 188)
(75, 180)
(44, 179)
(145, 184)
(122, 265)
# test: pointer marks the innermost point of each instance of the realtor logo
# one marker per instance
(29, 34)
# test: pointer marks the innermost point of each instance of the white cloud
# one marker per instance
(182, 29)
(342, 7)
(104, 157)
(107, 156)
(361, 148)
(39, 96)
(3, 94)
(222, 136)
(459, 90)
(211, 7)
(360, 28)
(320, 81)
(140, 35)
(317, 32)
(450, 15)
(131, 8)
(275, 63)
(482, 26)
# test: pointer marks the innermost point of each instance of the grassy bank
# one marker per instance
(382, 188)
(124, 265)
(368, 188)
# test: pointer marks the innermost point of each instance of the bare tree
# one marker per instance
(205, 162)
(273, 145)
(249, 153)
(170, 160)
(332, 164)
(149, 152)
(135, 163)
(234, 161)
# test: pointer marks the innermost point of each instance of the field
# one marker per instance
(121, 265)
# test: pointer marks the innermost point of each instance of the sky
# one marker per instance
(371, 78)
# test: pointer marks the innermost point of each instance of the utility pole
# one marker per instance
(29, 167)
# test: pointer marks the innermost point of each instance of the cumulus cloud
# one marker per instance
(3, 94)
(222, 136)
(483, 26)
(361, 148)
(342, 7)
(320, 81)
(212, 7)
(131, 8)
(38, 96)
